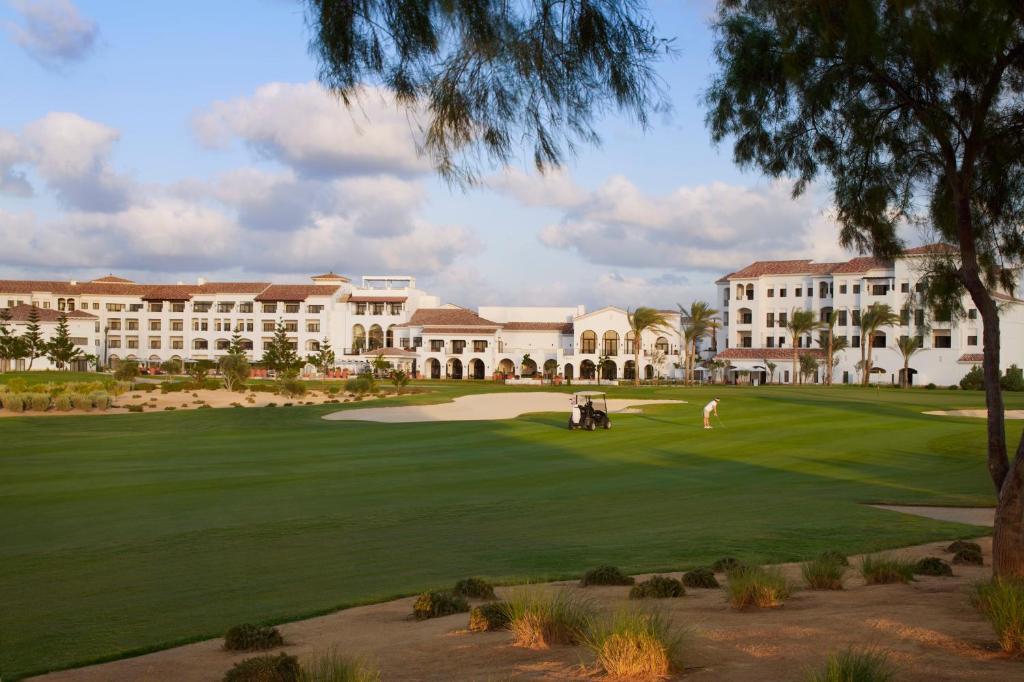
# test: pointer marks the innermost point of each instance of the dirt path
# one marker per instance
(484, 406)
(928, 626)
(975, 516)
(981, 414)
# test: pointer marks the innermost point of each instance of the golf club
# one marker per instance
(719, 421)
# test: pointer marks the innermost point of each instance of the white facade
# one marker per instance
(758, 300)
(83, 331)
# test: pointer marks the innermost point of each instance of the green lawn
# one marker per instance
(126, 532)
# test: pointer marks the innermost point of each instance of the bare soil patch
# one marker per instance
(975, 516)
(928, 626)
(980, 414)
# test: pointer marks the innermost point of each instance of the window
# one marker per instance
(798, 292)
(771, 293)
(360, 308)
(314, 309)
(114, 325)
(132, 324)
(201, 307)
(154, 325)
(394, 308)
(417, 342)
(200, 344)
(942, 341)
(856, 288)
(133, 341)
(245, 307)
(479, 346)
(610, 345)
(770, 342)
(177, 307)
(879, 289)
(824, 291)
(270, 307)
(972, 314)
(177, 343)
(782, 293)
(783, 319)
(662, 344)
(856, 341)
(436, 345)
(114, 342)
(222, 344)
(856, 317)
(269, 326)
(588, 342)
(313, 327)
(746, 316)
(842, 288)
(154, 342)
(248, 325)
(904, 287)
(291, 307)
(782, 341)
(132, 307)
(458, 347)
(841, 318)
(920, 341)
(291, 326)
(972, 340)
(115, 307)
(919, 287)
(177, 325)
(770, 322)
(225, 306)
(878, 341)
(156, 307)
(403, 342)
(904, 316)
(376, 308)
(95, 305)
(919, 317)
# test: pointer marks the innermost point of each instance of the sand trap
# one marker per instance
(981, 414)
(975, 516)
(928, 627)
(483, 406)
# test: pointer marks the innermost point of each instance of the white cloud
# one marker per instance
(555, 188)
(72, 154)
(303, 126)
(12, 153)
(52, 31)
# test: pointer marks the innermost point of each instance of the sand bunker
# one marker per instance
(975, 516)
(981, 414)
(484, 406)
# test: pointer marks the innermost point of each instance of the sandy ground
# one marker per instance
(484, 406)
(155, 401)
(928, 627)
(982, 414)
(975, 516)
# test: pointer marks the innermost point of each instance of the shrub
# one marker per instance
(291, 387)
(81, 401)
(126, 370)
(605, 575)
(834, 556)
(931, 565)
(726, 564)
(15, 402)
(1013, 380)
(249, 637)
(882, 570)
(1001, 602)
(333, 667)
(851, 665)
(102, 401)
(958, 545)
(636, 645)
(169, 408)
(38, 402)
(279, 668)
(136, 408)
(969, 556)
(700, 577)
(62, 403)
(974, 380)
(755, 586)
(657, 587)
(474, 588)
(539, 618)
(437, 604)
(823, 573)
(492, 616)
(931, 387)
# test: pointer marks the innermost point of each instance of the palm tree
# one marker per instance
(907, 346)
(801, 323)
(640, 320)
(832, 344)
(877, 315)
(699, 321)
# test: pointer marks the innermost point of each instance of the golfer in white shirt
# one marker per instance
(708, 409)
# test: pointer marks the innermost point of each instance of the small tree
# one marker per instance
(801, 322)
(907, 346)
(127, 370)
(199, 370)
(324, 359)
(808, 366)
(234, 371)
(380, 365)
(641, 320)
(12, 347)
(35, 344)
(279, 355)
(399, 379)
(235, 348)
(770, 366)
(171, 366)
(60, 350)
(875, 317)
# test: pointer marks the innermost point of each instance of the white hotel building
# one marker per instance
(116, 319)
(757, 300)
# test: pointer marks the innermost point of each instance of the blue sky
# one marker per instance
(169, 141)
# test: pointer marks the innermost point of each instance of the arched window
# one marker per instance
(629, 371)
(313, 345)
(376, 339)
(745, 315)
(611, 343)
(62, 304)
(630, 341)
(200, 344)
(222, 344)
(824, 314)
(750, 292)
(358, 337)
(662, 344)
(588, 370)
(588, 342)
(389, 338)
(879, 340)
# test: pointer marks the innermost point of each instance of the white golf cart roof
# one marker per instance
(589, 393)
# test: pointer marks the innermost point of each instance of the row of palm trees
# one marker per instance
(698, 321)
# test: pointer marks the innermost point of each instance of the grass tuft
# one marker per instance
(834, 556)
(437, 604)
(1001, 602)
(880, 569)
(492, 616)
(540, 618)
(605, 575)
(474, 588)
(852, 665)
(755, 586)
(700, 578)
(932, 565)
(334, 667)
(657, 587)
(249, 637)
(823, 573)
(279, 668)
(635, 645)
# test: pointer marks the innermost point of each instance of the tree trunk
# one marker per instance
(636, 362)
(796, 362)
(1008, 534)
(829, 370)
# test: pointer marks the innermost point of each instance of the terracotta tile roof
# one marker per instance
(295, 292)
(563, 327)
(1000, 296)
(331, 275)
(766, 353)
(169, 292)
(19, 313)
(479, 330)
(932, 249)
(972, 357)
(774, 267)
(111, 279)
(232, 287)
(862, 264)
(460, 317)
(376, 299)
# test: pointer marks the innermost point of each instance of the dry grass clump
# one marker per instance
(835, 557)
(700, 577)
(755, 586)
(492, 616)
(334, 667)
(605, 575)
(823, 573)
(657, 587)
(880, 569)
(474, 588)
(1001, 602)
(249, 637)
(279, 668)
(960, 545)
(852, 665)
(726, 564)
(637, 645)
(969, 556)
(437, 604)
(931, 565)
(540, 618)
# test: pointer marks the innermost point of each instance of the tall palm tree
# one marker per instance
(801, 323)
(832, 344)
(877, 316)
(640, 320)
(698, 322)
(907, 346)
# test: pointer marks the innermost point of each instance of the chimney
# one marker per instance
(74, 282)
(200, 281)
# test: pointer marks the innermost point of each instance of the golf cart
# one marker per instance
(590, 410)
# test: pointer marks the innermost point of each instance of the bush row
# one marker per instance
(41, 402)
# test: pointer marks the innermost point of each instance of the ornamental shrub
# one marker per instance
(38, 402)
(931, 565)
(474, 588)
(755, 586)
(882, 570)
(851, 665)
(436, 604)
(823, 573)
(969, 556)
(126, 370)
(634, 645)
(539, 618)
(726, 564)
(1001, 602)
(249, 637)
(973, 380)
(491, 616)
(102, 401)
(835, 557)
(1013, 380)
(658, 587)
(14, 402)
(700, 577)
(62, 403)
(959, 545)
(279, 668)
(605, 575)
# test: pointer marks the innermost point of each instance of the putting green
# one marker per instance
(137, 531)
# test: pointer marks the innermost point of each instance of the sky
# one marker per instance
(169, 141)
